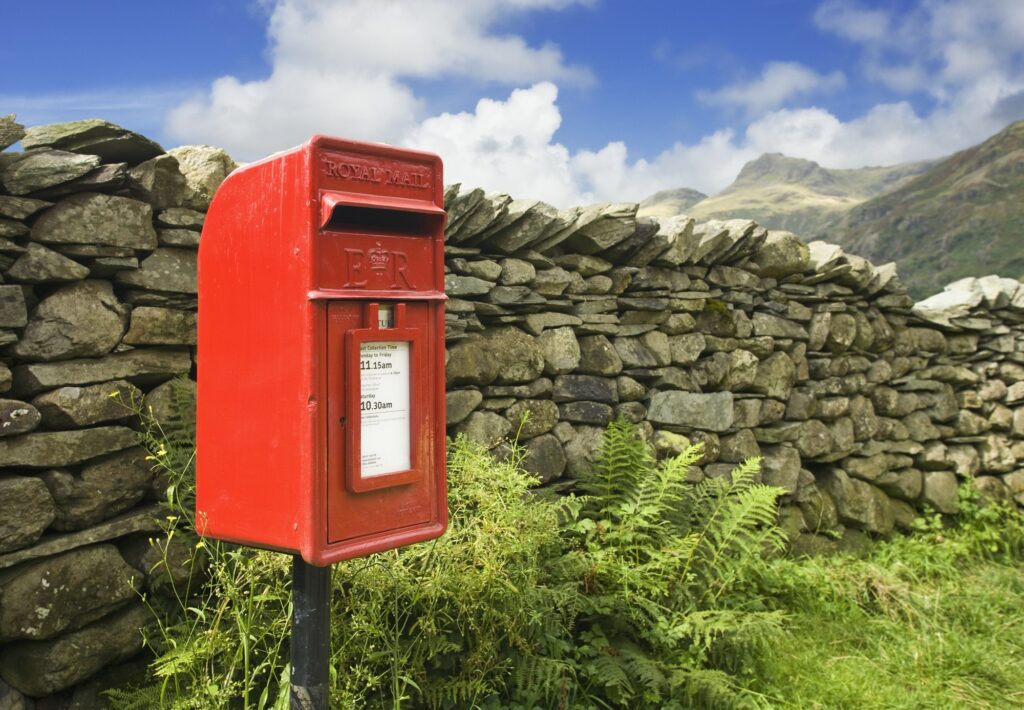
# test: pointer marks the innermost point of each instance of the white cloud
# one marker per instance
(342, 67)
(778, 83)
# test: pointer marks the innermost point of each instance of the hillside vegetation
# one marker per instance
(963, 217)
(798, 195)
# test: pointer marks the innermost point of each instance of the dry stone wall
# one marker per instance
(866, 408)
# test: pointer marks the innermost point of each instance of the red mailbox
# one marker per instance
(320, 423)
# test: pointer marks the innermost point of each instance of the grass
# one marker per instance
(929, 621)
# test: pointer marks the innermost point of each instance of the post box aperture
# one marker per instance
(320, 424)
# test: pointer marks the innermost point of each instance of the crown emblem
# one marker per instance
(379, 258)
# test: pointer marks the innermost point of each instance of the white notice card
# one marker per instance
(384, 407)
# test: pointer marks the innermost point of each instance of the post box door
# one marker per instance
(380, 411)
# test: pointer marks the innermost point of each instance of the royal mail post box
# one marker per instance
(320, 422)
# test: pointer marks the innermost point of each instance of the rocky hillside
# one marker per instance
(666, 203)
(799, 195)
(963, 217)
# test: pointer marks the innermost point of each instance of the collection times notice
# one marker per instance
(384, 407)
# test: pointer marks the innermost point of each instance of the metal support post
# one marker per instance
(311, 635)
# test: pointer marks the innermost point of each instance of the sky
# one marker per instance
(568, 101)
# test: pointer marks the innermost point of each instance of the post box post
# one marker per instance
(320, 423)
(311, 635)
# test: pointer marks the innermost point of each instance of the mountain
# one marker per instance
(667, 203)
(963, 217)
(799, 195)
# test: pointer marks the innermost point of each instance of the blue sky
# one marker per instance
(564, 100)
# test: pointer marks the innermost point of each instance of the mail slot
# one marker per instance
(320, 414)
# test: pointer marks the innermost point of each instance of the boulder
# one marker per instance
(82, 319)
(40, 668)
(712, 412)
(93, 218)
(66, 591)
(26, 510)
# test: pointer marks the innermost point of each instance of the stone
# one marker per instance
(101, 490)
(532, 417)
(26, 510)
(820, 514)
(739, 447)
(515, 354)
(105, 178)
(633, 412)
(17, 417)
(780, 467)
(188, 238)
(635, 354)
(842, 332)
(461, 286)
(782, 254)
(64, 592)
(583, 450)
(158, 181)
(965, 460)
(10, 131)
(940, 491)
(204, 169)
(181, 217)
(859, 503)
(601, 226)
(13, 312)
(92, 218)
(40, 265)
(166, 269)
(993, 490)
(83, 319)
(668, 444)
(40, 169)
(628, 389)
(905, 484)
(741, 372)
(11, 699)
(814, 440)
(112, 143)
(537, 323)
(560, 349)
(775, 376)
(161, 326)
(469, 362)
(996, 456)
(583, 412)
(516, 272)
(40, 668)
(73, 407)
(63, 448)
(485, 428)
(970, 424)
(686, 349)
(771, 326)
(459, 404)
(598, 356)
(20, 207)
(553, 282)
(571, 388)
(712, 412)
(544, 457)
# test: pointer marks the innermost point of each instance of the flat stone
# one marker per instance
(63, 448)
(73, 407)
(83, 319)
(601, 226)
(101, 490)
(104, 267)
(112, 143)
(544, 457)
(598, 356)
(10, 229)
(166, 269)
(103, 220)
(10, 131)
(26, 510)
(766, 324)
(181, 218)
(64, 592)
(40, 668)
(13, 313)
(36, 170)
(140, 520)
(158, 181)
(570, 388)
(461, 286)
(161, 326)
(459, 404)
(41, 265)
(581, 412)
(20, 207)
(782, 254)
(712, 412)
(105, 178)
(204, 169)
